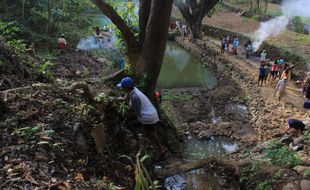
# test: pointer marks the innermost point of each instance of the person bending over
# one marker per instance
(298, 125)
(142, 112)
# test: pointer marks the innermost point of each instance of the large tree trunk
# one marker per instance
(193, 12)
(154, 45)
(196, 29)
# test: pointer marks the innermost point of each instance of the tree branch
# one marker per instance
(129, 37)
(144, 13)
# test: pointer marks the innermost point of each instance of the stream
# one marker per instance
(181, 69)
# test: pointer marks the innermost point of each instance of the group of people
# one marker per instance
(225, 42)
(99, 37)
(279, 69)
(280, 66)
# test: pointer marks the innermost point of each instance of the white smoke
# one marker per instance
(275, 26)
(92, 42)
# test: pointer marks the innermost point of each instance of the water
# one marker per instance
(216, 146)
(201, 179)
(215, 119)
(181, 69)
(239, 111)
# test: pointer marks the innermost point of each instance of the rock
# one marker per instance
(205, 134)
(298, 140)
(300, 169)
(305, 185)
(286, 139)
(297, 148)
(290, 186)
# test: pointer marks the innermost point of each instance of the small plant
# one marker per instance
(45, 69)
(142, 177)
(128, 69)
(255, 167)
(277, 175)
(123, 109)
(306, 136)
(297, 24)
(143, 81)
(264, 185)
(28, 133)
(306, 173)
(281, 155)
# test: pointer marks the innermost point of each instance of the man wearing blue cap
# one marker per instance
(142, 109)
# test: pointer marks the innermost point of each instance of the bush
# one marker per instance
(297, 24)
(281, 155)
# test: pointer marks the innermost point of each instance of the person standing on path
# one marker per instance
(267, 73)
(235, 45)
(262, 74)
(227, 43)
(184, 31)
(61, 42)
(280, 88)
(248, 49)
(274, 70)
(263, 57)
(223, 45)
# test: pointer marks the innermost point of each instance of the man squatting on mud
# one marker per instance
(142, 112)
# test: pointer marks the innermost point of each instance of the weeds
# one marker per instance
(142, 177)
(177, 96)
(281, 155)
(264, 185)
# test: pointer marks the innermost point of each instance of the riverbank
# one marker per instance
(266, 119)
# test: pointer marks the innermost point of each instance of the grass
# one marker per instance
(177, 96)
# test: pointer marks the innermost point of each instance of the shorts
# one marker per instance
(261, 77)
(149, 127)
(274, 73)
(296, 124)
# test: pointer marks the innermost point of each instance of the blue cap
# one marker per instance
(126, 82)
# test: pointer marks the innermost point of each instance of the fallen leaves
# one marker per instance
(79, 177)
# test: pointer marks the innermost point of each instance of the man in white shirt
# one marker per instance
(142, 109)
(280, 88)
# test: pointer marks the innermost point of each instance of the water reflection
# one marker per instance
(181, 69)
(216, 146)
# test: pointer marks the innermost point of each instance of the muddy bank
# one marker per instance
(268, 118)
(265, 119)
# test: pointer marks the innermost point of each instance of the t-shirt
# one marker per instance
(296, 124)
(263, 56)
(62, 43)
(281, 85)
(274, 67)
(262, 71)
(236, 43)
(143, 108)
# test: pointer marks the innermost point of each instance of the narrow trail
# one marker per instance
(293, 94)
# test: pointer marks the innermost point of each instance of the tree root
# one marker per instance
(87, 94)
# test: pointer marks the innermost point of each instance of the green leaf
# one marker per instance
(43, 142)
(49, 132)
(144, 158)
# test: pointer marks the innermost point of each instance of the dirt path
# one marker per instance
(292, 96)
